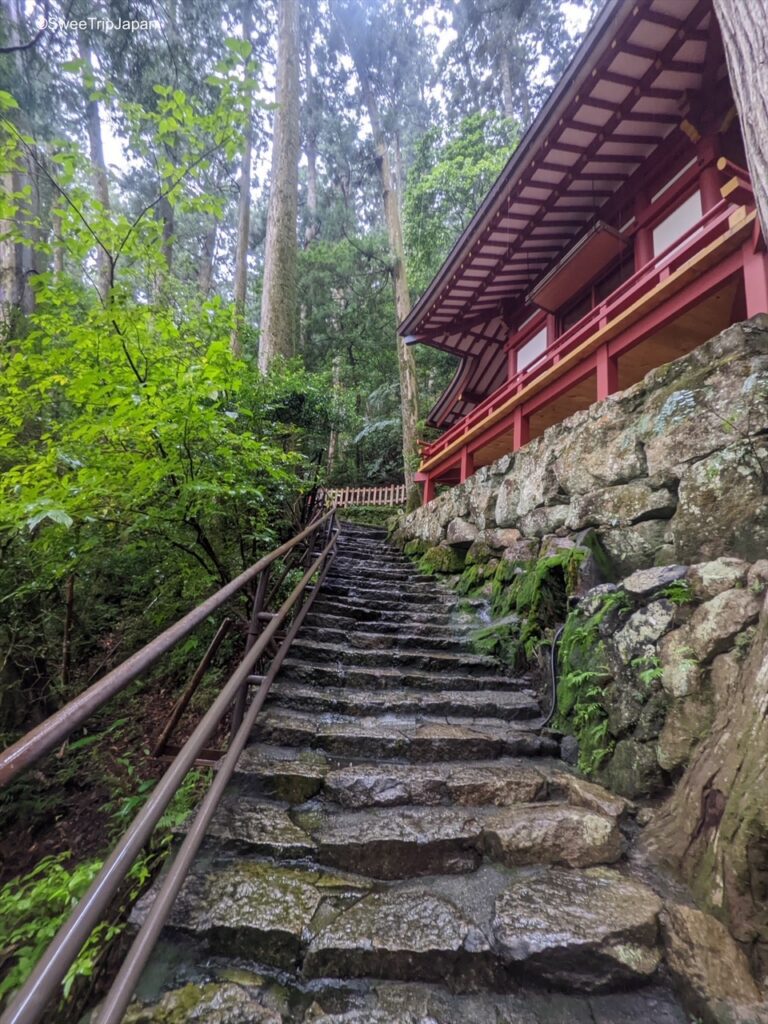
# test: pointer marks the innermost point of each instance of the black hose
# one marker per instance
(553, 673)
(573, 602)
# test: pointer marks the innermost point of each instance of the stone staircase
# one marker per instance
(399, 844)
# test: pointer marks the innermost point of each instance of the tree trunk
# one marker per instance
(278, 303)
(205, 270)
(333, 439)
(506, 87)
(745, 35)
(99, 167)
(310, 149)
(409, 400)
(17, 260)
(243, 208)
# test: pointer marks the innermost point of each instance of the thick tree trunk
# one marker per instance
(310, 149)
(243, 210)
(745, 34)
(205, 269)
(99, 167)
(409, 400)
(17, 260)
(278, 303)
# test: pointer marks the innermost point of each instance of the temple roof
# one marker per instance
(627, 88)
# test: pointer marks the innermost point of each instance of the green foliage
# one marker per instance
(452, 171)
(650, 669)
(139, 456)
(582, 675)
(678, 592)
(34, 906)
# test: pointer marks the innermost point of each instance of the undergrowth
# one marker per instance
(34, 906)
(583, 674)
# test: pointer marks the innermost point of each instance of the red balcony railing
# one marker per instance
(707, 230)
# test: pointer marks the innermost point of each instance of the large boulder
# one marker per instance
(579, 930)
(687, 722)
(723, 505)
(709, 967)
(621, 505)
(633, 770)
(715, 625)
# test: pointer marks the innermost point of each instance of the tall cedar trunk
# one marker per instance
(278, 302)
(409, 400)
(243, 208)
(98, 164)
(205, 269)
(17, 261)
(333, 439)
(506, 87)
(310, 149)
(745, 35)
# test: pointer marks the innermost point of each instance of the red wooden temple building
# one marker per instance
(621, 234)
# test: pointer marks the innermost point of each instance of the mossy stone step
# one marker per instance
(362, 612)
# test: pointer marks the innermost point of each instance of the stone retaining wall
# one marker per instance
(674, 469)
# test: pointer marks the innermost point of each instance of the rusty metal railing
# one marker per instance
(312, 549)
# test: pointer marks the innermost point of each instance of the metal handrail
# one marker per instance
(54, 730)
(30, 1002)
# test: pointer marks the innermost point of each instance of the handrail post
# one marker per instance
(254, 629)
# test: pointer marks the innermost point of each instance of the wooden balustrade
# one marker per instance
(385, 494)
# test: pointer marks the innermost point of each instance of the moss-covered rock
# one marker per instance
(442, 559)
(414, 548)
(633, 770)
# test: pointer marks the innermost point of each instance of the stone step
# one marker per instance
(374, 582)
(395, 658)
(572, 930)
(376, 564)
(387, 596)
(416, 739)
(406, 842)
(328, 631)
(363, 612)
(292, 777)
(327, 622)
(508, 705)
(248, 998)
(380, 678)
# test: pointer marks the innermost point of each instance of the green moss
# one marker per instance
(581, 707)
(441, 559)
(527, 599)
(473, 578)
(479, 553)
(415, 547)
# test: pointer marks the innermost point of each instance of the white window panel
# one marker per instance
(677, 223)
(532, 349)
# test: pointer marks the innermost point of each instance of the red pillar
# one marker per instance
(521, 429)
(643, 235)
(709, 178)
(607, 373)
(466, 465)
(429, 490)
(755, 279)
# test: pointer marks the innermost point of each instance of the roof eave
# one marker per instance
(568, 84)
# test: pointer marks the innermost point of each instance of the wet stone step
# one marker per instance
(428, 661)
(404, 936)
(410, 738)
(248, 997)
(254, 909)
(321, 621)
(362, 612)
(406, 842)
(383, 678)
(503, 704)
(425, 638)
(394, 602)
(401, 583)
(390, 595)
